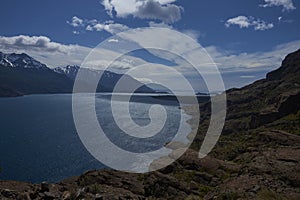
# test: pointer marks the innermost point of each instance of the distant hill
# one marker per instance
(21, 74)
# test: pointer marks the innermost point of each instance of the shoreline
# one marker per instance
(179, 148)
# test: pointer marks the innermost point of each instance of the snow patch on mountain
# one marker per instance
(20, 61)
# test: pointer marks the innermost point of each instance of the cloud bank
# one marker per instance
(56, 54)
(108, 26)
(286, 4)
(75, 22)
(51, 53)
(247, 22)
(94, 25)
(269, 60)
(162, 10)
(35, 43)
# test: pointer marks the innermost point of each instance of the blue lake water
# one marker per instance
(39, 142)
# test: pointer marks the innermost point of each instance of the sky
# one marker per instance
(246, 39)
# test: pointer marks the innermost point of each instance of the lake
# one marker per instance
(39, 142)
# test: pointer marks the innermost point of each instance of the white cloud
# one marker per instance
(76, 21)
(55, 54)
(89, 28)
(113, 28)
(193, 34)
(246, 22)
(161, 25)
(145, 80)
(248, 77)
(94, 25)
(113, 40)
(151, 9)
(36, 43)
(43, 49)
(162, 10)
(241, 21)
(107, 26)
(286, 4)
(283, 20)
(261, 25)
(270, 60)
(108, 7)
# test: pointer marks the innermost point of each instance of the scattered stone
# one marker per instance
(98, 197)
(193, 186)
(255, 189)
(202, 177)
(49, 196)
(44, 187)
(66, 195)
(7, 193)
(80, 193)
(24, 196)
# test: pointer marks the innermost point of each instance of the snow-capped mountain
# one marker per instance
(22, 74)
(69, 70)
(72, 70)
(20, 61)
(108, 79)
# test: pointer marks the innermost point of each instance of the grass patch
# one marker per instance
(95, 188)
(289, 123)
(203, 190)
(185, 175)
(193, 197)
(229, 196)
(266, 194)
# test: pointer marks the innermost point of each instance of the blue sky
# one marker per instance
(244, 37)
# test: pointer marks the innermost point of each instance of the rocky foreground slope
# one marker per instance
(257, 157)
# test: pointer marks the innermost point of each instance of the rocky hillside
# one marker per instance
(257, 157)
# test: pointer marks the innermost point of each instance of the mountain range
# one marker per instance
(21, 74)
